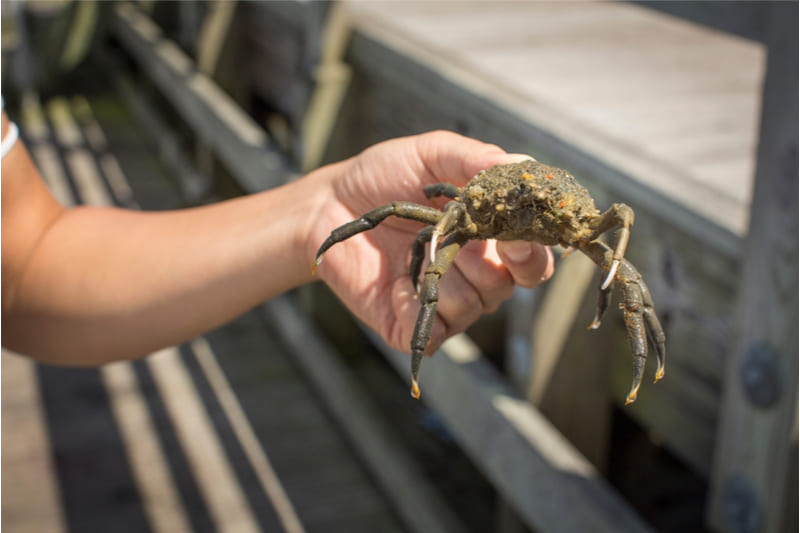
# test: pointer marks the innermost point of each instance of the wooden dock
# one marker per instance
(646, 108)
(166, 444)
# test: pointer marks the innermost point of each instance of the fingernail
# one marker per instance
(517, 158)
(518, 252)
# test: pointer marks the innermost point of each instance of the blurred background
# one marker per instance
(296, 418)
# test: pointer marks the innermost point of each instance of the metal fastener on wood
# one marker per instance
(741, 509)
(760, 374)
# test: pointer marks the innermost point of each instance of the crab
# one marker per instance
(527, 201)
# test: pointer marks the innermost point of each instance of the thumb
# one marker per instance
(505, 159)
(529, 263)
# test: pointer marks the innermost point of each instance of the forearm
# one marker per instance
(128, 283)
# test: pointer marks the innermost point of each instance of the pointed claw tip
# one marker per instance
(594, 325)
(632, 395)
(611, 273)
(659, 375)
(315, 264)
(415, 390)
(631, 398)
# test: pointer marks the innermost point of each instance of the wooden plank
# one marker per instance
(542, 476)
(569, 371)
(332, 78)
(31, 500)
(240, 143)
(157, 487)
(565, 294)
(222, 493)
(572, 73)
(420, 508)
(244, 432)
(757, 434)
(193, 184)
(433, 94)
(213, 35)
(650, 182)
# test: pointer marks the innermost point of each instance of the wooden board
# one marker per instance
(669, 102)
(754, 482)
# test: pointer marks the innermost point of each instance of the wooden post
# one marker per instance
(540, 473)
(758, 419)
(332, 78)
(240, 143)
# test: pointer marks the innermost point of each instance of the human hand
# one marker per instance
(369, 272)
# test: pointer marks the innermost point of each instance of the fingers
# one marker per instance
(482, 268)
(453, 158)
(529, 263)
(475, 285)
(483, 276)
(406, 305)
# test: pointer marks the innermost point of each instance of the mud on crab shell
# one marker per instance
(521, 201)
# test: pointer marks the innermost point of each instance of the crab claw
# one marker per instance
(611, 273)
(660, 369)
(315, 264)
(632, 396)
(638, 373)
(416, 360)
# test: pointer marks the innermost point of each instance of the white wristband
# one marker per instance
(10, 139)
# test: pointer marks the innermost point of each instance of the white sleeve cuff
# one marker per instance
(9, 140)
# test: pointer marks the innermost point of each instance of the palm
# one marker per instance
(369, 271)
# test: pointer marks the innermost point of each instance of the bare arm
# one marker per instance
(90, 285)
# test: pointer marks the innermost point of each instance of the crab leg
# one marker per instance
(453, 213)
(641, 321)
(429, 294)
(631, 308)
(603, 298)
(369, 220)
(418, 255)
(617, 215)
(633, 282)
(441, 189)
(654, 330)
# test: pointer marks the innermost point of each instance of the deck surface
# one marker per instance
(674, 104)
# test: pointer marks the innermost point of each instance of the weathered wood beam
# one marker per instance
(694, 208)
(193, 184)
(241, 144)
(757, 433)
(543, 477)
(418, 505)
